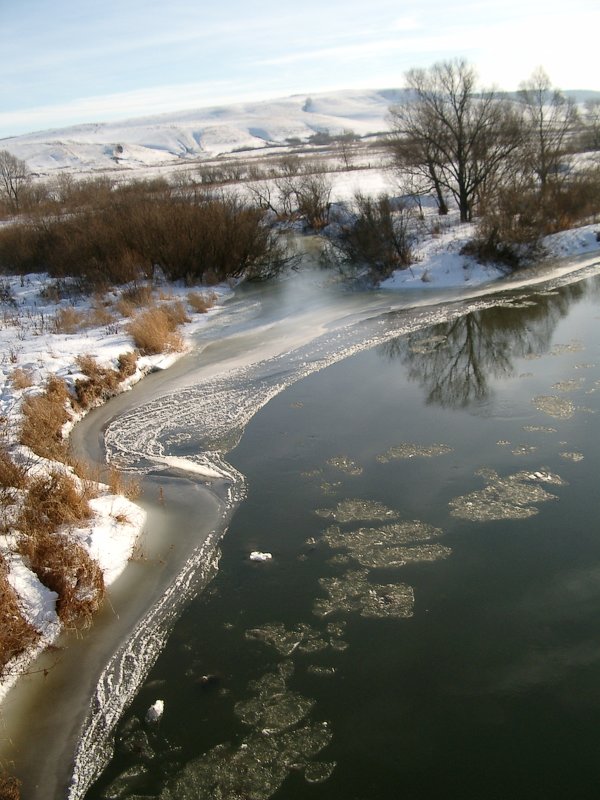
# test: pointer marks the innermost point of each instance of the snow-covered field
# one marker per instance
(169, 139)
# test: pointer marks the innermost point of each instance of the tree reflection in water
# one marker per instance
(454, 361)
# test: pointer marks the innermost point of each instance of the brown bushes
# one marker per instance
(119, 234)
(155, 331)
(43, 418)
(16, 634)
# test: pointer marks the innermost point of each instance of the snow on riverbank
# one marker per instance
(33, 349)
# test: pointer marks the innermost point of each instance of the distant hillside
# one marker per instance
(169, 138)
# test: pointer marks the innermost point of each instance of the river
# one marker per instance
(343, 432)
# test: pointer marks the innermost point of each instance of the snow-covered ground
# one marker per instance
(202, 133)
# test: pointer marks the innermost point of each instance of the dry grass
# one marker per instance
(16, 634)
(44, 417)
(176, 313)
(67, 569)
(51, 501)
(68, 320)
(153, 331)
(20, 378)
(10, 788)
(119, 484)
(11, 475)
(99, 384)
(61, 564)
(134, 298)
(127, 364)
(99, 317)
(200, 302)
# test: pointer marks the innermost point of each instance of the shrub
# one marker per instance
(43, 418)
(153, 331)
(379, 237)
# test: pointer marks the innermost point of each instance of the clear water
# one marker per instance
(473, 670)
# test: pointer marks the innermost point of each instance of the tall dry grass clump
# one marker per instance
(200, 302)
(61, 564)
(68, 320)
(67, 569)
(51, 501)
(10, 788)
(16, 634)
(99, 382)
(20, 378)
(155, 331)
(12, 476)
(44, 416)
(119, 484)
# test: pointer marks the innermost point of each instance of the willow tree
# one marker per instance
(457, 139)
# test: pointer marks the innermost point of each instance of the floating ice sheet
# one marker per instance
(345, 464)
(571, 456)
(281, 741)
(301, 638)
(570, 385)
(554, 406)
(390, 545)
(412, 450)
(539, 429)
(352, 592)
(512, 497)
(355, 510)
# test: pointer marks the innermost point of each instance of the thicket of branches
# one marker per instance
(107, 234)
(506, 161)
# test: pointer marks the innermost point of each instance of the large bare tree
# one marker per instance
(551, 118)
(14, 177)
(455, 139)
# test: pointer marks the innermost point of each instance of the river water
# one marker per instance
(423, 475)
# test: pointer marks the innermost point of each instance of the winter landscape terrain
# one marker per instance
(35, 346)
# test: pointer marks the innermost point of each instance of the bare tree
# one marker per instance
(14, 178)
(458, 140)
(551, 118)
(591, 124)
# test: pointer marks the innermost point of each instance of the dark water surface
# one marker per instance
(487, 685)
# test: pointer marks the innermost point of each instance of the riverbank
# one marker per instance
(36, 348)
(48, 331)
(576, 243)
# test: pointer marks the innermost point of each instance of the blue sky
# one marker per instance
(69, 61)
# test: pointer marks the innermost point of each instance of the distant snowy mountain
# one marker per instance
(169, 138)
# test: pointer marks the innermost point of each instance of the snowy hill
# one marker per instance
(205, 132)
